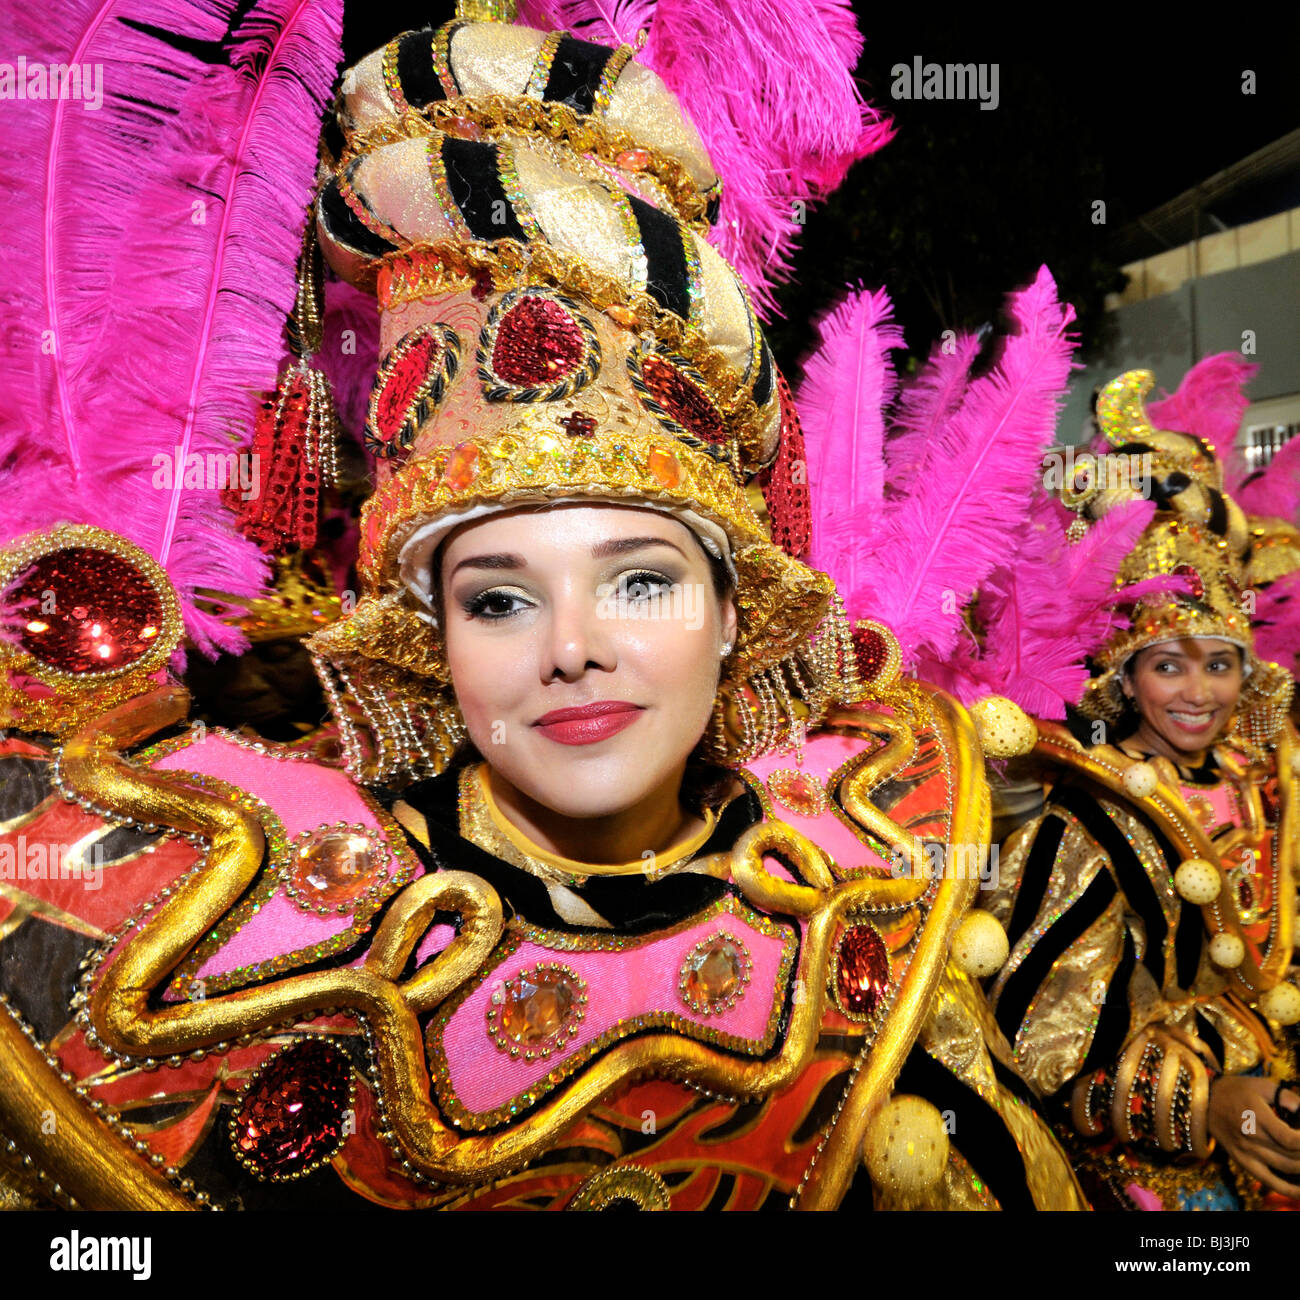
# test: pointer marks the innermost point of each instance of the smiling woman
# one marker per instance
(1150, 909)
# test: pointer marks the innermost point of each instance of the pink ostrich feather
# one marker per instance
(1050, 608)
(848, 383)
(925, 406)
(164, 271)
(1273, 492)
(1277, 621)
(947, 535)
(769, 86)
(349, 352)
(1209, 403)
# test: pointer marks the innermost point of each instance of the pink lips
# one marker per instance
(588, 724)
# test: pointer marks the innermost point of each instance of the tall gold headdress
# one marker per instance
(554, 328)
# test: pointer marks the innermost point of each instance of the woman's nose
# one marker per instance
(579, 638)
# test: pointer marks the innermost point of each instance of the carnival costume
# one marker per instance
(285, 969)
(1150, 909)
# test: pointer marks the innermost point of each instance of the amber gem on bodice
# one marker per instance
(335, 867)
(536, 1007)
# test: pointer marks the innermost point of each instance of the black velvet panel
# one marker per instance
(475, 184)
(415, 71)
(575, 73)
(661, 237)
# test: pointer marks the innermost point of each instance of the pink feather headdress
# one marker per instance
(916, 510)
(150, 246)
(769, 86)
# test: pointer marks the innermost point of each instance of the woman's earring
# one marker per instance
(726, 649)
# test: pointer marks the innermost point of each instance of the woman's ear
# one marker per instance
(729, 621)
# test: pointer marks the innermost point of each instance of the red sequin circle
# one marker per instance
(293, 1112)
(871, 651)
(861, 970)
(682, 399)
(538, 342)
(1194, 577)
(83, 610)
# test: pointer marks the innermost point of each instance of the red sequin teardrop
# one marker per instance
(861, 970)
(83, 610)
(292, 1114)
(538, 343)
(682, 400)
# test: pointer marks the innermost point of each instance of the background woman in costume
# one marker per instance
(555, 331)
(1150, 907)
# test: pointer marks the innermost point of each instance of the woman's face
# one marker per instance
(1185, 692)
(584, 644)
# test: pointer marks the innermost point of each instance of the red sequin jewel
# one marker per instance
(785, 486)
(1191, 574)
(410, 384)
(682, 400)
(400, 390)
(538, 343)
(83, 610)
(291, 1117)
(871, 651)
(578, 425)
(861, 970)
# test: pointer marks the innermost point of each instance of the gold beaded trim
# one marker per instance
(541, 73)
(270, 881)
(643, 1187)
(609, 76)
(520, 115)
(360, 209)
(447, 205)
(442, 58)
(520, 932)
(567, 1028)
(508, 171)
(79, 696)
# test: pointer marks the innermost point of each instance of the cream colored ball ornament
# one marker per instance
(1140, 780)
(1282, 1004)
(1198, 881)
(980, 946)
(906, 1147)
(1227, 950)
(1006, 730)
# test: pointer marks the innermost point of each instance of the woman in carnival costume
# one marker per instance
(605, 907)
(1150, 907)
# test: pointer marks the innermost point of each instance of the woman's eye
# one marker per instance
(494, 604)
(644, 586)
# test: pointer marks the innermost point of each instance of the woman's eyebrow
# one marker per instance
(621, 545)
(498, 561)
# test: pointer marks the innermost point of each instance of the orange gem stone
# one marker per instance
(664, 468)
(463, 128)
(633, 160)
(536, 1006)
(624, 316)
(714, 975)
(798, 791)
(334, 868)
(462, 466)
